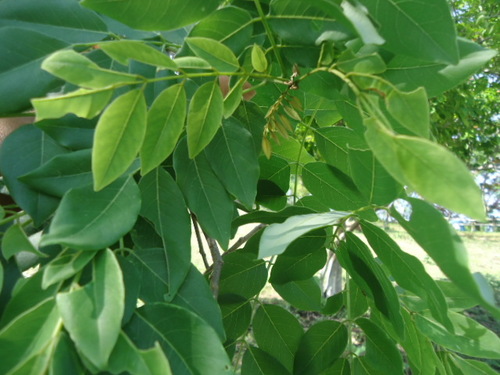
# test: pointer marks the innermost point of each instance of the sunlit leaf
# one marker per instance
(400, 104)
(259, 61)
(215, 53)
(125, 50)
(65, 266)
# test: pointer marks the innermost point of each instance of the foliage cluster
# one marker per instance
(142, 133)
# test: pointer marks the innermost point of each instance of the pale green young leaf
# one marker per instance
(259, 61)
(64, 266)
(278, 333)
(472, 367)
(79, 70)
(157, 15)
(410, 109)
(215, 53)
(118, 137)
(204, 117)
(320, 347)
(92, 314)
(83, 103)
(233, 98)
(125, 50)
(165, 124)
(191, 62)
(358, 15)
(15, 240)
(82, 220)
(277, 237)
(28, 335)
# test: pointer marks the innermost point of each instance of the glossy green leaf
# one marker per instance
(204, 193)
(27, 335)
(428, 168)
(70, 131)
(301, 260)
(233, 159)
(471, 337)
(83, 103)
(195, 295)
(125, 50)
(190, 344)
(259, 61)
(332, 187)
(277, 237)
(58, 19)
(215, 53)
(204, 117)
(320, 347)
(165, 124)
(258, 362)
(357, 260)
(27, 51)
(408, 271)
(23, 151)
(126, 357)
(118, 138)
(80, 70)
(83, 218)
(236, 315)
(158, 15)
(437, 237)
(242, 274)
(429, 31)
(15, 240)
(164, 206)
(92, 314)
(400, 104)
(411, 73)
(472, 367)
(191, 62)
(382, 356)
(278, 333)
(305, 295)
(64, 266)
(64, 359)
(233, 98)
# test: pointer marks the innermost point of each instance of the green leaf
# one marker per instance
(332, 187)
(191, 62)
(27, 50)
(80, 70)
(334, 144)
(303, 258)
(278, 333)
(92, 314)
(305, 295)
(233, 98)
(65, 359)
(204, 117)
(70, 131)
(242, 274)
(215, 53)
(382, 356)
(411, 73)
(15, 240)
(23, 151)
(320, 347)
(204, 193)
(371, 178)
(277, 237)
(236, 315)
(61, 173)
(83, 218)
(355, 301)
(190, 344)
(83, 103)
(64, 266)
(195, 295)
(472, 367)
(292, 151)
(59, 19)
(470, 338)
(444, 246)
(428, 168)
(258, 362)
(1, 277)
(165, 124)
(408, 271)
(360, 18)
(27, 335)
(233, 159)
(158, 15)
(357, 260)
(259, 61)
(400, 104)
(424, 30)
(125, 50)
(118, 137)
(163, 205)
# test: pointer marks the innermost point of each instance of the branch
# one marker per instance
(245, 238)
(200, 243)
(218, 262)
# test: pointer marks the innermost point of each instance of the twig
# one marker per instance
(218, 262)
(245, 238)
(200, 243)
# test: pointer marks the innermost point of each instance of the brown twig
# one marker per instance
(218, 262)
(199, 240)
(245, 238)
